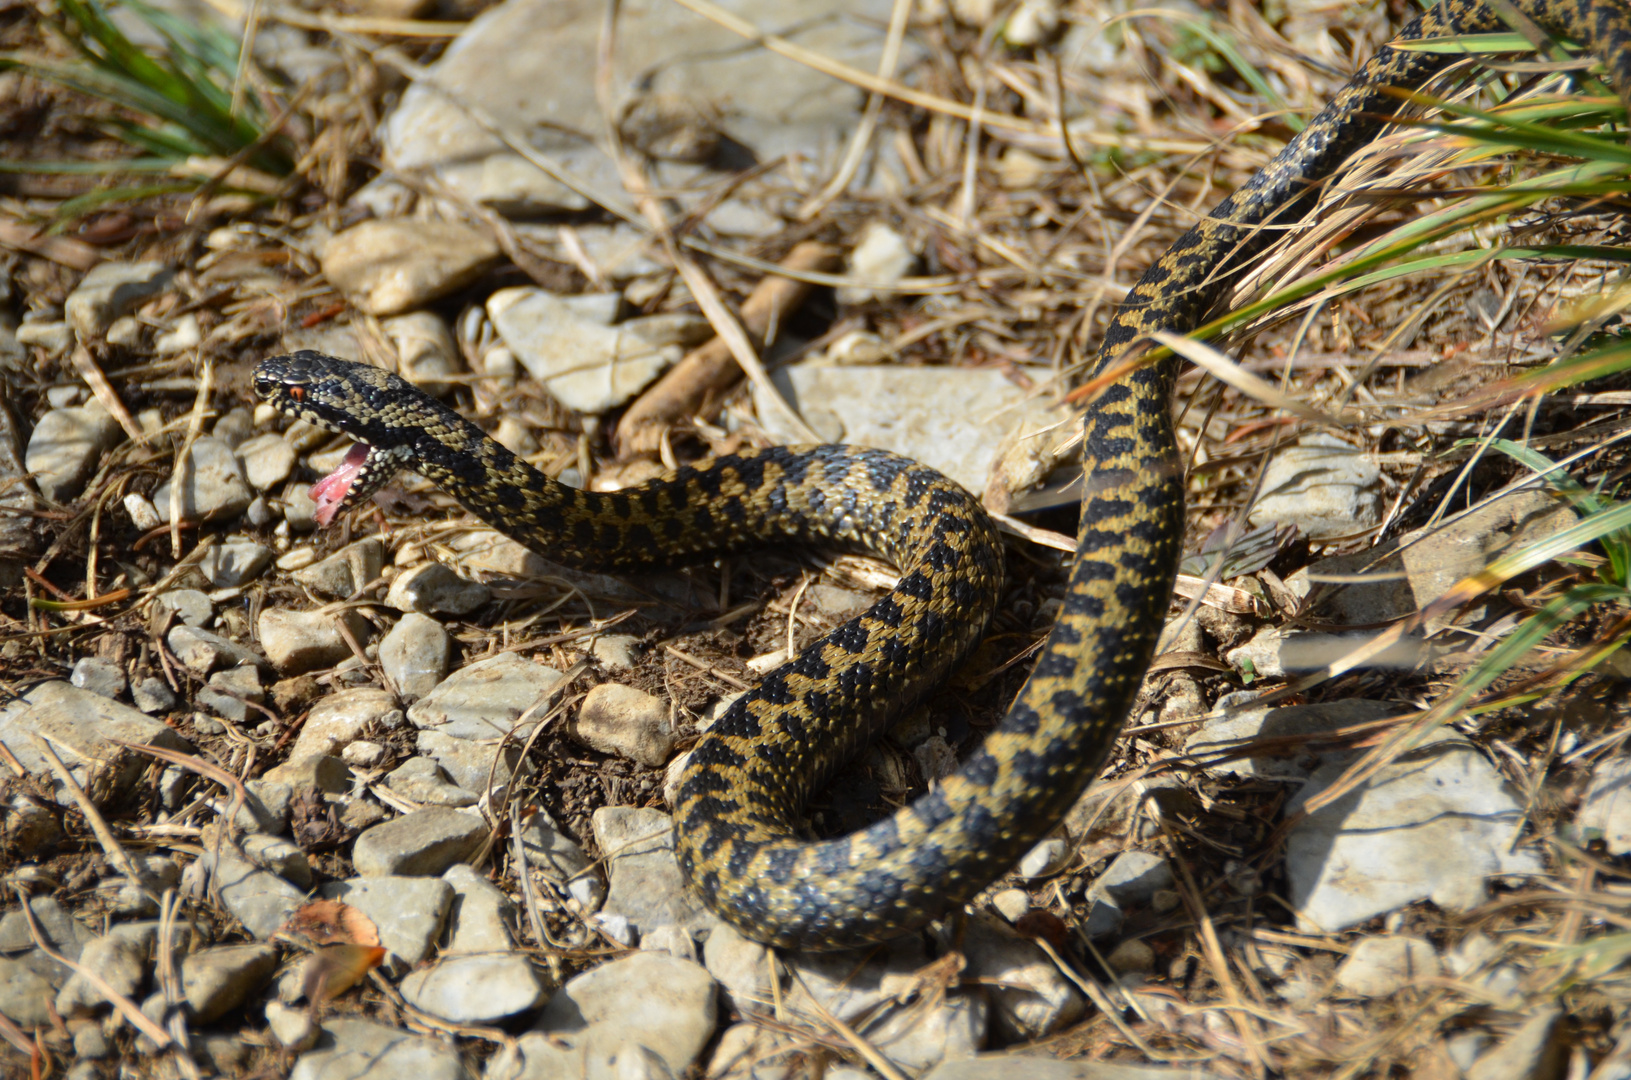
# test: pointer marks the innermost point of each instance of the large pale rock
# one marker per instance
(66, 446)
(421, 843)
(110, 290)
(388, 267)
(484, 700)
(1324, 486)
(668, 52)
(81, 727)
(951, 419)
(213, 484)
(1433, 825)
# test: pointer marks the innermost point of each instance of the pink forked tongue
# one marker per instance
(329, 492)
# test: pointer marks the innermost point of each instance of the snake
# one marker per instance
(739, 827)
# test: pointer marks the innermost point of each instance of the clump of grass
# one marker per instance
(186, 96)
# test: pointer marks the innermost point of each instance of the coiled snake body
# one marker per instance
(737, 822)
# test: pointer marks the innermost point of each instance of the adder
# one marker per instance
(738, 820)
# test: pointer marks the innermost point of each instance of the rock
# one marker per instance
(646, 885)
(30, 826)
(259, 899)
(615, 652)
(142, 514)
(338, 719)
(1379, 966)
(1285, 722)
(425, 352)
(669, 53)
(1132, 878)
(363, 754)
(584, 363)
(218, 979)
(1607, 805)
(293, 1028)
(299, 511)
(235, 427)
(267, 807)
(192, 607)
(1012, 904)
(110, 290)
(55, 338)
(184, 334)
(278, 855)
(1032, 23)
(552, 851)
(424, 842)
(1538, 1050)
(474, 989)
(867, 982)
(625, 722)
(423, 781)
(1400, 576)
(1324, 486)
(297, 641)
(359, 1050)
(81, 726)
(61, 932)
(212, 485)
(230, 693)
(267, 461)
(479, 921)
(90, 1044)
(388, 267)
(1029, 997)
(1131, 957)
(99, 676)
(484, 700)
(1020, 1067)
(1432, 825)
(473, 765)
(432, 588)
(415, 655)
(66, 446)
(203, 652)
(647, 999)
(881, 256)
(25, 994)
(950, 419)
(1044, 859)
(407, 911)
(1475, 960)
(325, 772)
(152, 695)
(343, 573)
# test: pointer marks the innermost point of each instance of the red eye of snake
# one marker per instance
(298, 393)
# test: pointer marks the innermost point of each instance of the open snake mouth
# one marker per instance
(332, 491)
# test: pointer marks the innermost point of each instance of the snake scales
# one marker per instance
(738, 817)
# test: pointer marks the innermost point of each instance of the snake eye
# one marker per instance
(298, 393)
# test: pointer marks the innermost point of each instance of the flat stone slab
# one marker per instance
(474, 989)
(483, 700)
(950, 419)
(1297, 757)
(1433, 825)
(407, 911)
(422, 843)
(771, 106)
(359, 1050)
(81, 725)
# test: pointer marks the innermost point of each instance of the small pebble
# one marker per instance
(363, 754)
(99, 676)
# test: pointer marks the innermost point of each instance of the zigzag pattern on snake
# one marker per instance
(738, 822)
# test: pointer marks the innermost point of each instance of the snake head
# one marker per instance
(349, 399)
